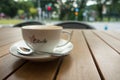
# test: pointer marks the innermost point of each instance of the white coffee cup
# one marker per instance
(43, 37)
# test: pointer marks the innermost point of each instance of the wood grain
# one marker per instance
(36, 71)
(114, 43)
(79, 65)
(114, 34)
(9, 64)
(9, 35)
(95, 56)
(5, 49)
(107, 59)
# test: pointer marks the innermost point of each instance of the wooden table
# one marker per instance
(96, 56)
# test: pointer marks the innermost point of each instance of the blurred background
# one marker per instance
(89, 11)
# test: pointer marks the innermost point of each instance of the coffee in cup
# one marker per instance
(42, 37)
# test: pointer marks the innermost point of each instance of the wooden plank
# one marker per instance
(9, 36)
(36, 71)
(114, 34)
(9, 64)
(79, 65)
(5, 49)
(10, 40)
(107, 59)
(113, 42)
(6, 31)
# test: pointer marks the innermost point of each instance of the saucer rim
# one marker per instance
(47, 57)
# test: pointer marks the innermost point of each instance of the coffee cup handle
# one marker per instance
(69, 34)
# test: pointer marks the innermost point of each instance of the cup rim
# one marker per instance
(42, 27)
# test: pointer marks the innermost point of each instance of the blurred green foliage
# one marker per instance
(66, 11)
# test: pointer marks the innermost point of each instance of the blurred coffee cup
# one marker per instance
(43, 37)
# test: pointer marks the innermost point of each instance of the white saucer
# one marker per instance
(65, 50)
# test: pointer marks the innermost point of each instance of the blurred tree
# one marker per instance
(82, 3)
(47, 6)
(11, 7)
(8, 7)
(114, 10)
(33, 11)
(81, 6)
(67, 9)
(100, 4)
(44, 3)
(25, 5)
(20, 12)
